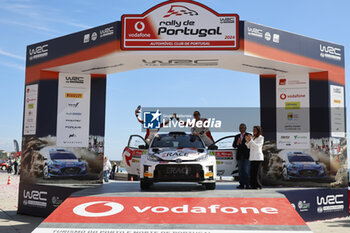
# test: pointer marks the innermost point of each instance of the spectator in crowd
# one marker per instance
(114, 166)
(15, 166)
(106, 169)
(256, 157)
(242, 157)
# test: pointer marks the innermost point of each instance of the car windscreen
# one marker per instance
(57, 156)
(177, 141)
(296, 158)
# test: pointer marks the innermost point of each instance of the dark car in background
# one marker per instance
(63, 163)
(300, 165)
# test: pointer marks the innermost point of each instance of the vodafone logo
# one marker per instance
(139, 26)
(283, 96)
(115, 209)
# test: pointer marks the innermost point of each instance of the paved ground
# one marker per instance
(11, 222)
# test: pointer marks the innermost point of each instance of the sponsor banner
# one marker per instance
(293, 43)
(180, 24)
(73, 112)
(30, 109)
(318, 204)
(173, 210)
(41, 200)
(76, 42)
(337, 111)
(293, 115)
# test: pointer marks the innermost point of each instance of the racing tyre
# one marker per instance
(210, 186)
(46, 174)
(285, 174)
(145, 185)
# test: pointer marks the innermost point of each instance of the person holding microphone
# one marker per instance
(256, 157)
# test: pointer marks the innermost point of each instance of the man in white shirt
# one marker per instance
(106, 169)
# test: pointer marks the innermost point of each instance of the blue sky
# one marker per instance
(24, 22)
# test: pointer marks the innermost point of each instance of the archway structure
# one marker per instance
(302, 83)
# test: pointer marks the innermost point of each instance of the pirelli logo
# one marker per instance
(74, 95)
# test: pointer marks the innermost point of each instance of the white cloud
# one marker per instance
(7, 54)
(37, 17)
(13, 65)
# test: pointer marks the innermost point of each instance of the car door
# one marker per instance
(132, 155)
(225, 156)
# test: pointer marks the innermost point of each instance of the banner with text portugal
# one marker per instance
(185, 24)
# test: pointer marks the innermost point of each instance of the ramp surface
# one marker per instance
(121, 207)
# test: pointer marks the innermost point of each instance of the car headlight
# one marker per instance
(55, 164)
(153, 158)
(293, 168)
(203, 157)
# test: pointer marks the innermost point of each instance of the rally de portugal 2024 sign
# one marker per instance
(184, 25)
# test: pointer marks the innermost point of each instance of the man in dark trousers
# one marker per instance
(242, 157)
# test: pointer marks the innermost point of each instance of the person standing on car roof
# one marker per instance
(242, 157)
(203, 132)
(150, 133)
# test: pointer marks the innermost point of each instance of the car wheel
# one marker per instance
(210, 186)
(46, 174)
(3, 167)
(285, 174)
(145, 185)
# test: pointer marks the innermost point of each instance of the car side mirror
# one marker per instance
(143, 147)
(200, 150)
(155, 150)
(213, 147)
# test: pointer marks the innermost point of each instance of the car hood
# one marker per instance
(183, 154)
(306, 164)
(67, 161)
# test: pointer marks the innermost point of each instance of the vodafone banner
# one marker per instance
(73, 113)
(293, 114)
(128, 211)
(180, 25)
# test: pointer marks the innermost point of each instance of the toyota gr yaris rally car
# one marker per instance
(299, 165)
(63, 163)
(177, 157)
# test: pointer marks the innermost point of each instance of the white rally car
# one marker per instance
(137, 154)
(177, 157)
